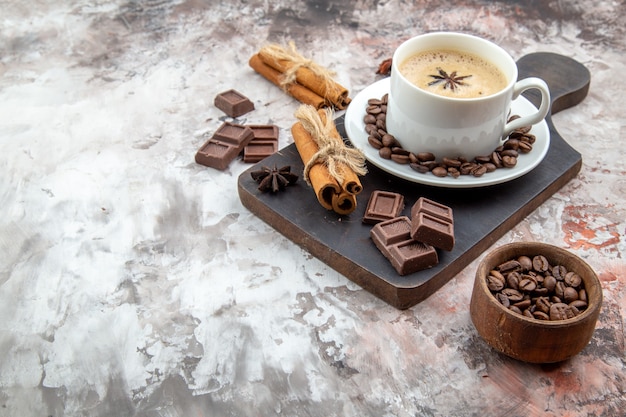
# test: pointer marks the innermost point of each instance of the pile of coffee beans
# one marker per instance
(505, 156)
(536, 289)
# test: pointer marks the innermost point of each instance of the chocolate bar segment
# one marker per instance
(393, 239)
(433, 231)
(391, 231)
(235, 134)
(425, 205)
(411, 256)
(382, 206)
(216, 154)
(263, 144)
(233, 103)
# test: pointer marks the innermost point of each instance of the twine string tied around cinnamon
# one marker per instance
(333, 153)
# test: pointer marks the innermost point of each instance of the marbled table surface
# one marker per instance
(134, 283)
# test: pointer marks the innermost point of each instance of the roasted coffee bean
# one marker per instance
(489, 166)
(440, 172)
(373, 110)
(454, 172)
(503, 299)
(509, 266)
(570, 294)
(524, 304)
(527, 284)
(385, 152)
(374, 102)
(425, 156)
(509, 161)
(543, 304)
(375, 143)
(559, 272)
(369, 119)
(578, 304)
(559, 289)
(549, 283)
(540, 315)
(513, 295)
(582, 295)
(525, 262)
(540, 263)
(451, 162)
(561, 311)
(479, 171)
(422, 169)
(525, 147)
(380, 123)
(495, 283)
(400, 158)
(513, 279)
(515, 309)
(511, 143)
(572, 279)
(389, 140)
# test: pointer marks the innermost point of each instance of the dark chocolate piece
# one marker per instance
(433, 208)
(383, 205)
(264, 143)
(264, 132)
(433, 231)
(411, 256)
(216, 154)
(391, 231)
(258, 150)
(235, 134)
(227, 142)
(392, 238)
(233, 103)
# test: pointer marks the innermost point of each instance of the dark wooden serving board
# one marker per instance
(481, 215)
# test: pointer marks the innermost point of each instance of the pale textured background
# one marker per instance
(134, 283)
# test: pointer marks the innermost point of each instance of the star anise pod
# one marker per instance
(274, 179)
(451, 80)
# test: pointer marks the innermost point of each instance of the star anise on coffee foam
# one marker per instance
(451, 80)
(274, 179)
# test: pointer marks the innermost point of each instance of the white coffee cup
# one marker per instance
(423, 121)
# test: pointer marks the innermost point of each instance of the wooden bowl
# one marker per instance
(529, 339)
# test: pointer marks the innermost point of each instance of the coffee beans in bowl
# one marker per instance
(535, 302)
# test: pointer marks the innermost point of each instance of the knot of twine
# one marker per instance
(333, 153)
(296, 61)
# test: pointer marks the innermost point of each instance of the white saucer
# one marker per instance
(355, 129)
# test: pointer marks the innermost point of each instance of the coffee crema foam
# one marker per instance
(453, 73)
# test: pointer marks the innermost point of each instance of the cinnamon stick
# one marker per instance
(296, 68)
(331, 168)
(324, 185)
(297, 91)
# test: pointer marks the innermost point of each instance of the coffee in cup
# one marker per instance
(453, 73)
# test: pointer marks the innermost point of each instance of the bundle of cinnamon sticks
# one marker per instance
(331, 167)
(302, 78)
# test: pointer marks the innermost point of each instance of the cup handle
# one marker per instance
(539, 115)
